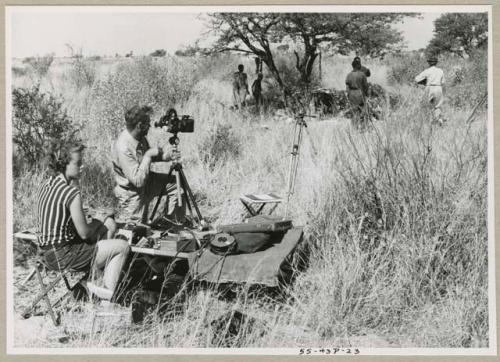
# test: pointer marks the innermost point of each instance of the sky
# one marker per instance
(43, 30)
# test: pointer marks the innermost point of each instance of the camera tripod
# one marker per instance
(300, 125)
(182, 185)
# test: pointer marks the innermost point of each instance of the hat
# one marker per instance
(432, 60)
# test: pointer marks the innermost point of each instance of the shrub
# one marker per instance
(82, 73)
(37, 119)
(40, 65)
(144, 81)
(404, 67)
(19, 71)
(218, 145)
(159, 53)
(468, 80)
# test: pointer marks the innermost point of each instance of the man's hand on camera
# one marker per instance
(153, 152)
(172, 155)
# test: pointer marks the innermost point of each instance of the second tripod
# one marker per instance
(300, 125)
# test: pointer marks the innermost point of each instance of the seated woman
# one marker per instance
(66, 239)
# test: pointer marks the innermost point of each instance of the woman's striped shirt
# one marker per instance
(55, 226)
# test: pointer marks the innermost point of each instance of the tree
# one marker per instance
(255, 33)
(159, 53)
(459, 33)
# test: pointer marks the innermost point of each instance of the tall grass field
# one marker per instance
(395, 218)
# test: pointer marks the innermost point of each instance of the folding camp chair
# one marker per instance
(255, 204)
(39, 268)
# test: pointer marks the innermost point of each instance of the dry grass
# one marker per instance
(395, 218)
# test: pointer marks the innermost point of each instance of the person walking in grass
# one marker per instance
(433, 79)
(240, 87)
(65, 238)
(357, 94)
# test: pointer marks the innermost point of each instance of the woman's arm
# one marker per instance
(83, 229)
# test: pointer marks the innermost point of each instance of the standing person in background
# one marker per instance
(240, 87)
(257, 91)
(364, 69)
(357, 94)
(66, 239)
(433, 79)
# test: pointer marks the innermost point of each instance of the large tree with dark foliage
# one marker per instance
(459, 33)
(341, 33)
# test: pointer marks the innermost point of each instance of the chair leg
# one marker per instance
(43, 295)
(28, 278)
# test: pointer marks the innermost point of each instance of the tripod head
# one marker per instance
(299, 118)
(174, 140)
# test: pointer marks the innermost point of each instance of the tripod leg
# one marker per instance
(186, 200)
(189, 194)
(178, 182)
(188, 204)
(292, 159)
(293, 171)
(160, 196)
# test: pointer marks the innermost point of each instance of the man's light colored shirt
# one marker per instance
(130, 166)
(433, 75)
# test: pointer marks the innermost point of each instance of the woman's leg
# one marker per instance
(111, 256)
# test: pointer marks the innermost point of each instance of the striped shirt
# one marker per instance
(55, 226)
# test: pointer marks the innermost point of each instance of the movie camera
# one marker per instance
(173, 124)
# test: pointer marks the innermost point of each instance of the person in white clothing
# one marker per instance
(433, 79)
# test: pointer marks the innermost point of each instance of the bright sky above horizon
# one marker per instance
(39, 31)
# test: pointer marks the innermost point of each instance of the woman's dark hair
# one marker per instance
(59, 154)
(356, 64)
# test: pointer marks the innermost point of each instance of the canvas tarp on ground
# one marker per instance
(266, 267)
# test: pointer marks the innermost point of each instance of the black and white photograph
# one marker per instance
(297, 180)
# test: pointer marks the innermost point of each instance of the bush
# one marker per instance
(404, 67)
(159, 53)
(38, 118)
(467, 80)
(40, 65)
(160, 84)
(82, 73)
(218, 145)
(19, 71)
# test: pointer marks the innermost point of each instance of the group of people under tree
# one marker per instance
(358, 92)
(66, 239)
(240, 88)
(357, 87)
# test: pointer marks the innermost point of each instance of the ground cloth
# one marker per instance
(265, 267)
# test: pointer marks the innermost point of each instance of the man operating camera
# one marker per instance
(136, 184)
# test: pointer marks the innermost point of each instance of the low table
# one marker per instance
(265, 267)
